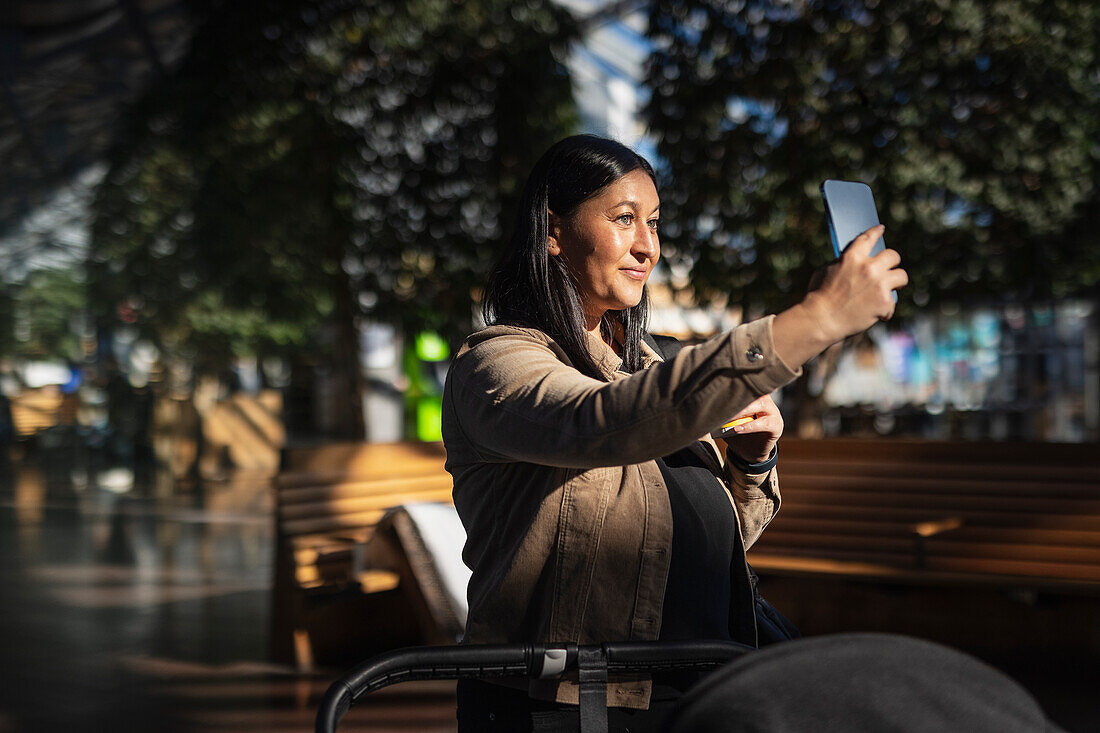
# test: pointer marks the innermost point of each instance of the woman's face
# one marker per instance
(610, 244)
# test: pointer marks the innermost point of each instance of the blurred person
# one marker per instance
(596, 503)
(123, 413)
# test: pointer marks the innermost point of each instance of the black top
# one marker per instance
(708, 594)
(706, 551)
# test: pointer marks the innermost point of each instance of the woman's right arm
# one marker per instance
(511, 397)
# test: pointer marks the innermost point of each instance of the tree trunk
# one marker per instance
(349, 421)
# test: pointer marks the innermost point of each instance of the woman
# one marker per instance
(596, 504)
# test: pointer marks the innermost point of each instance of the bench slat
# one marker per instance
(290, 497)
(994, 521)
(356, 504)
(767, 562)
(365, 460)
(945, 503)
(940, 546)
(972, 471)
(333, 524)
(790, 522)
(943, 453)
(945, 484)
(995, 567)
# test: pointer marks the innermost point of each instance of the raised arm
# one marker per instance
(514, 399)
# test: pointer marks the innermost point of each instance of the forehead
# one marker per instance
(635, 186)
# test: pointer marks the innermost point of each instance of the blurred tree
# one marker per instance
(314, 163)
(976, 124)
(7, 320)
(38, 314)
(451, 104)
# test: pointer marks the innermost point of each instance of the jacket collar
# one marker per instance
(605, 357)
(608, 361)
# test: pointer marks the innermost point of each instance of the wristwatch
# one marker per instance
(754, 468)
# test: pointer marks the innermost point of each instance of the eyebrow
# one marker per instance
(634, 204)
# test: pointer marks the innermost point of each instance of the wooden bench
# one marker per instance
(972, 512)
(1021, 518)
(949, 540)
(329, 498)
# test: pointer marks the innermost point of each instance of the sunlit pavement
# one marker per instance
(145, 605)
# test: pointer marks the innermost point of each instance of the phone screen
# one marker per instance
(850, 209)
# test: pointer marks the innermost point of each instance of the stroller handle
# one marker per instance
(488, 661)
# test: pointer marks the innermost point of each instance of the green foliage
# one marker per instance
(7, 321)
(38, 314)
(217, 222)
(314, 162)
(450, 103)
(975, 124)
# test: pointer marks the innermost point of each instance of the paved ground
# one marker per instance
(149, 610)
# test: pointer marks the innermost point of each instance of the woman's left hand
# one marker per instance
(754, 441)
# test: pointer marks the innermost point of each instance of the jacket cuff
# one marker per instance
(755, 358)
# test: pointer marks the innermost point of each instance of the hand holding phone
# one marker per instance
(856, 290)
(850, 210)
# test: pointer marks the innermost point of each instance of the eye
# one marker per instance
(626, 219)
(652, 224)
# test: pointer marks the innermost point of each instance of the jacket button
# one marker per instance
(755, 353)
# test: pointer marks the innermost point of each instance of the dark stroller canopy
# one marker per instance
(858, 682)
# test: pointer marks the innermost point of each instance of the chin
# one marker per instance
(628, 303)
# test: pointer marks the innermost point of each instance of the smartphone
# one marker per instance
(850, 211)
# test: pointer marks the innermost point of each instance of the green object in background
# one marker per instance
(429, 418)
(425, 369)
(430, 347)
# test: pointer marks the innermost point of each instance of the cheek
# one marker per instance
(613, 250)
(595, 259)
(606, 268)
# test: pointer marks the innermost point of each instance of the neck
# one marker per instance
(592, 322)
(614, 340)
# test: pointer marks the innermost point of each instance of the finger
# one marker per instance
(887, 259)
(861, 245)
(746, 417)
(733, 424)
(750, 412)
(897, 278)
(761, 425)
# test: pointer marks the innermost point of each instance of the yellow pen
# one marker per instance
(738, 421)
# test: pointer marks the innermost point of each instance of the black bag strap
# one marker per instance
(666, 346)
(592, 675)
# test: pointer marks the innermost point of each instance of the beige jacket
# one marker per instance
(567, 516)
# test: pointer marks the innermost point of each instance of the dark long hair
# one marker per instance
(528, 287)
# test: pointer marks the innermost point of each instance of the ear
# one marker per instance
(553, 239)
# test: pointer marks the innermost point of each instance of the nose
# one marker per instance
(646, 244)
